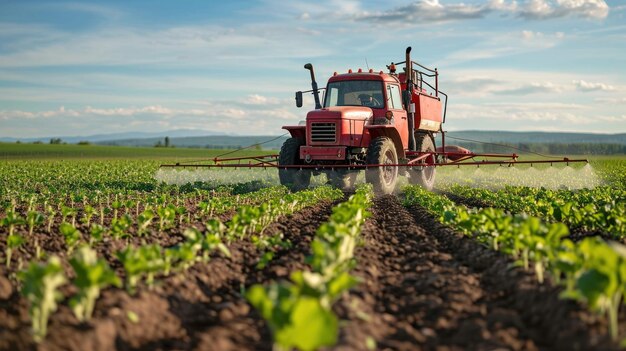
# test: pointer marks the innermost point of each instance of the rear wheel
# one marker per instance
(342, 179)
(382, 151)
(424, 176)
(293, 178)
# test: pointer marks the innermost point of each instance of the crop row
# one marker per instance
(103, 176)
(599, 209)
(124, 219)
(41, 281)
(299, 312)
(591, 271)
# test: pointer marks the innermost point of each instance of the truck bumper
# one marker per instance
(323, 153)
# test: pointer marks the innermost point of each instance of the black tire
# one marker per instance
(342, 179)
(293, 178)
(382, 151)
(424, 176)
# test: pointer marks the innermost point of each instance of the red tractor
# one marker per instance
(373, 119)
(383, 123)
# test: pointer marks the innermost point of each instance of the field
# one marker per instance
(97, 252)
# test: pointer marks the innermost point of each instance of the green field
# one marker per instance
(67, 151)
(160, 235)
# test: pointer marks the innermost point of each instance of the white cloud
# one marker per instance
(264, 116)
(257, 45)
(546, 9)
(589, 86)
(532, 88)
(612, 100)
(256, 99)
(434, 11)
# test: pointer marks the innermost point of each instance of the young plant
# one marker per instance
(167, 215)
(601, 279)
(33, 218)
(68, 212)
(120, 226)
(92, 275)
(88, 213)
(299, 313)
(14, 241)
(145, 261)
(268, 245)
(296, 319)
(11, 220)
(72, 236)
(40, 283)
(116, 205)
(96, 233)
(51, 214)
(181, 257)
(206, 243)
(145, 219)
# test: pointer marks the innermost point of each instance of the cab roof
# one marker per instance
(385, 77)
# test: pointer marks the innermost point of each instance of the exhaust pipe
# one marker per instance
(316, 92)
(410, 108)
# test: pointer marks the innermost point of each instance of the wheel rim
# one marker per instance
(388, 171)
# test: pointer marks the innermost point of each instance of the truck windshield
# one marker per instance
(355, 93)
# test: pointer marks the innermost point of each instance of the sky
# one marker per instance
(94, 67)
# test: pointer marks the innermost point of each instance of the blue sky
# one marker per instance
(80, 68)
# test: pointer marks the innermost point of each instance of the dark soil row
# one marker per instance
(201, 309)
(426, 287)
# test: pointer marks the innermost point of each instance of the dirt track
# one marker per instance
(424, 287)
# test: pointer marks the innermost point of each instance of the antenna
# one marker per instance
(368, 66)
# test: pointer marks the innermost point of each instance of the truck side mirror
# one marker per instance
(298, 99)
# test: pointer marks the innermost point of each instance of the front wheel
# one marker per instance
(293, 178)
(382, 151)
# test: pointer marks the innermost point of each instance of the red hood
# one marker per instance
(342, 112)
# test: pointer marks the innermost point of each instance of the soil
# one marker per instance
(427, 287)
(203, 309)
(423, 287)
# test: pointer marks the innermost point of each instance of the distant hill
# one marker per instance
(272, 142)
(539, 137)
(116, 136)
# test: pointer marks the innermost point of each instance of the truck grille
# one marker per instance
(323, 132)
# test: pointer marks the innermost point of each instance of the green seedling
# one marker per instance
(145, 219)
(33, 219)
(40, 283)
(11, 220)
(92, 275)
(96, 233)
(88, 213)
(71, 235)
(14, 241)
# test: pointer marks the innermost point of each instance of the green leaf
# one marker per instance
(340, 284)
(312, 326)
(594, 285)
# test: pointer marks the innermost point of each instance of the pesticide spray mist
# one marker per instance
(490, 177)
(226, 176)
(497, 177)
